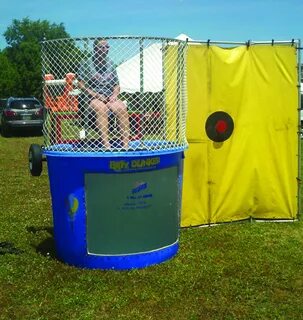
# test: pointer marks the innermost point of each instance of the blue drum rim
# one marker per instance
(134, 151)
(122, 262)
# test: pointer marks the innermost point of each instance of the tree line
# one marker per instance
(20, 61)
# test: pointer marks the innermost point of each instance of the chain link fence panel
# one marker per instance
(114, 94)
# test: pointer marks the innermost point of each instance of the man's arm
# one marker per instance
(115, 93)
(91, 92)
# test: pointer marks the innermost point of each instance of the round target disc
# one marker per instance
(219, 126)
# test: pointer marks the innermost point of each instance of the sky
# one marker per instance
(221, 20)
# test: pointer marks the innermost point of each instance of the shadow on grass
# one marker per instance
(28, 132)
(7, 247)
(47, 246)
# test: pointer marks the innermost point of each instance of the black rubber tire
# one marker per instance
(5, 131)
(35, 160)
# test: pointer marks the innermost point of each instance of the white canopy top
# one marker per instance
(129, 71)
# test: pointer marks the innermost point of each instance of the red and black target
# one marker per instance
(219, 126)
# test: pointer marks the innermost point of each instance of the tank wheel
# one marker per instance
(35, 160)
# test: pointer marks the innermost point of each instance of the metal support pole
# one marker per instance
(178, 88)
(276, 42)
(164, 45)
(141, 65)
(299, 129)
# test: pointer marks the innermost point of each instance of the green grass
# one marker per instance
(231, 271)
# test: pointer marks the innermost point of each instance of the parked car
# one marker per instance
(22, 113)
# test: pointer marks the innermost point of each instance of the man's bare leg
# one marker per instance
(101, 110)
(119, 108)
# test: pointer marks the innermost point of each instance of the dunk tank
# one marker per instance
(115, 171)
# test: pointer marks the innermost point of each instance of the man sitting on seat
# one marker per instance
(97, 78)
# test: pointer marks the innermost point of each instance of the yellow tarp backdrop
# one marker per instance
(254, 172)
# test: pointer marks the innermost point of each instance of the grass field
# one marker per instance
(233, 271)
